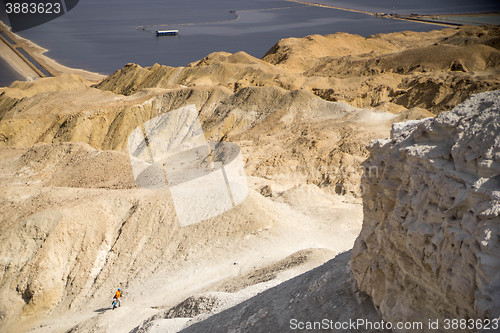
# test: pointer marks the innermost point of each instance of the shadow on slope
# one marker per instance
(327, 292)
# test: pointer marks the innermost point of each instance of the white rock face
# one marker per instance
(430, 243)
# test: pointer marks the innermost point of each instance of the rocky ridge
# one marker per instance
(435, 70)
(430, 243)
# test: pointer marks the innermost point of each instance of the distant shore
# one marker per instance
(28, 58)
(30, 61)
(424, 18)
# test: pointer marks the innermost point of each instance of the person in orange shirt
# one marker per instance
(117, 296)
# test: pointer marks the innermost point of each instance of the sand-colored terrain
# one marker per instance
(74, 226)
(435, 70)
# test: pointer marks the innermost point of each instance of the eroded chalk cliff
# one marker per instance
(430, 243)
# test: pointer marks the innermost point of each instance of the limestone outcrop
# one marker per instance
(430, 243)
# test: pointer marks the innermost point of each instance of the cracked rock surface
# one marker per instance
(430, 243)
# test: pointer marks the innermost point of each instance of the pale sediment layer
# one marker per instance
(430, 243)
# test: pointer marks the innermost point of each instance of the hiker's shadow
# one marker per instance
(102, 310)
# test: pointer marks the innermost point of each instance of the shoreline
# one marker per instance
(420, 18)
(13, 53)
(17, 51)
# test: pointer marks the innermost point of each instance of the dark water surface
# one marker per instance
(103, 36)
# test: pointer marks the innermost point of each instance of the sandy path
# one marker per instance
(304, 226)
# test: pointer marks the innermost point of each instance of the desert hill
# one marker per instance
(307, 131)
(74, 225)
(388, 70)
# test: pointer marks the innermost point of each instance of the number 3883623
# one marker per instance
(32, 8)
